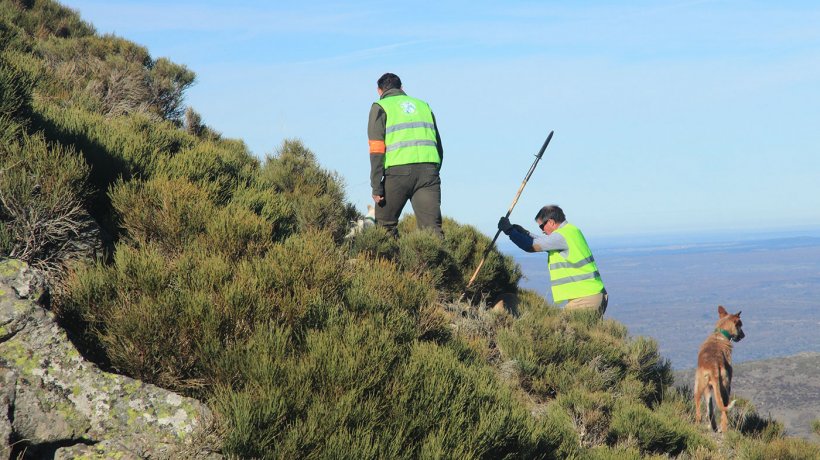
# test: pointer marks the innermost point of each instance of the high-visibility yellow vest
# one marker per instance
(576, 275)
(410, 135)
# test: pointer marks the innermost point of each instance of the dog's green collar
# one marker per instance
(724, 332)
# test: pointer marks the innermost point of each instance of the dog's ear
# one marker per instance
(722, 311)
(737, 314)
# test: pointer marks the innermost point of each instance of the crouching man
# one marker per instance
(573, 273)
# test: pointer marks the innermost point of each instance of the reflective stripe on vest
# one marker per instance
(576, 275)
(410, 135)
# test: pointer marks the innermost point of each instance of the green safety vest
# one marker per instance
(576, 275)
(410, 134)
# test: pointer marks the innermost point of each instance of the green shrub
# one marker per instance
(42, 188)
(317, 195)
(320, 398)
(499, 274)
(423, 253)
(49, 18)
(170, 213)
(15, 93)
(299, 282)
(219, 168)
(745, 419)
(378, 286)
(661, 431)
(238, 233)
(374, 242)
(443, 408)
(590, 413)
(615, 453)
(781, 449)
(168, 82)
(272, 206)
(815, 426)
(464, 247)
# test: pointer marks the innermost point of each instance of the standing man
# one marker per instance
(573, 273)
(405, 157)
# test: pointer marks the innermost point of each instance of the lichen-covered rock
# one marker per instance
(7, 383)
(58, 397)
(105, 450)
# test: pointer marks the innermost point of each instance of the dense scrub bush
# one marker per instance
(457, 259)
(561, 351)
(654, 431)
(168, 82)
(218, 167)
(272, 206)
(782, 449)
(374, 242)
(15, 93)
(45, 18)
(422, 252)
(317, 195)
(170, 213)
(42, 188)
(112, 76)
(403, 400)
(119, 148)
(165, 317)
(123, 147)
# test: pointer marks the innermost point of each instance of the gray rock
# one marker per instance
(56, 397)
(8, 382)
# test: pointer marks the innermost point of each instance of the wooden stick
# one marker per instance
(509, 211)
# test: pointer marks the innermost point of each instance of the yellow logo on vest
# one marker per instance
(408, 107)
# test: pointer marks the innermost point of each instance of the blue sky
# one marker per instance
(669, 117)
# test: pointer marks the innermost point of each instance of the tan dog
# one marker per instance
(715, 366)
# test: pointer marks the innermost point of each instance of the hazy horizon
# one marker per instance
(672, 293)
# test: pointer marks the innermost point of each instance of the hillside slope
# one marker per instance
(179, 259)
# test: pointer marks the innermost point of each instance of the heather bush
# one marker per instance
(45, 18)
(374, 242)
(170, 213)
(745, 419)
(15, 93)
(464, 246)
(781, 449)
(378, 285)
(590, 413)
(218, 167)
(168, 82)
(422, 252)
(123, 147)
(317, 195)
(272, 206)
(653, 431)
(42, 188)
(237, 233)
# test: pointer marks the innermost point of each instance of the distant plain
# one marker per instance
(671, 291)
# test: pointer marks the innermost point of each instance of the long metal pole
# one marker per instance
(509, 211)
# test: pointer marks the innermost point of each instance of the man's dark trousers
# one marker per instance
(419, 183)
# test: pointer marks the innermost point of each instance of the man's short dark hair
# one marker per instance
(550, 212)
(389, 81)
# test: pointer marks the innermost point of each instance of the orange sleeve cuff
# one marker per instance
(376, 147)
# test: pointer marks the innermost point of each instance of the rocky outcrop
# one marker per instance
(54, 403)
